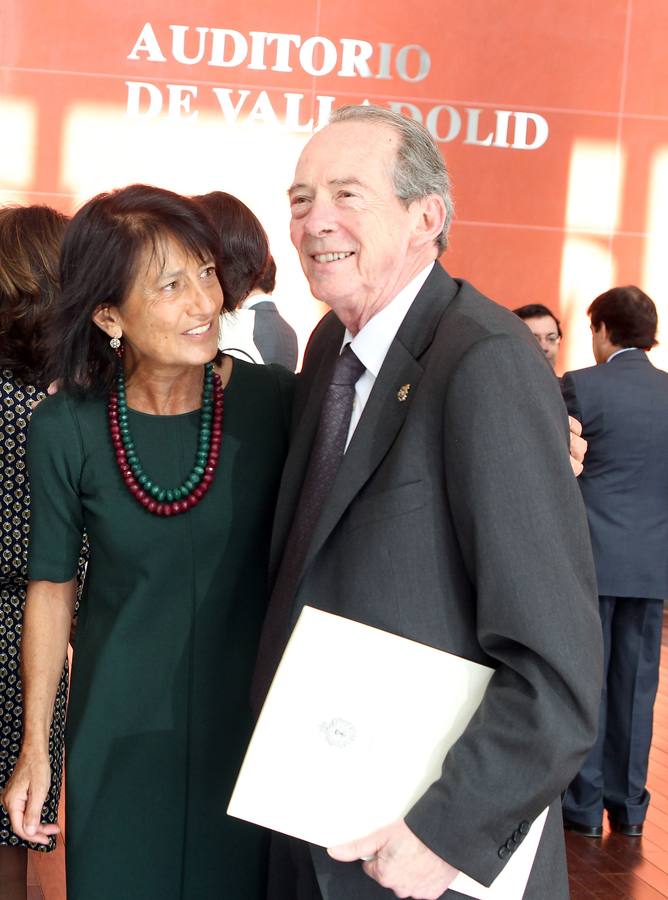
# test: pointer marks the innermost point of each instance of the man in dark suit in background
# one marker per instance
(452, 518)
(275, 338)
(622, 403)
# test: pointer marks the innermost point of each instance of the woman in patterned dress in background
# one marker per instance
(29, 245)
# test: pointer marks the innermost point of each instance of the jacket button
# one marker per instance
(524, 827)
(504, 852)
(518, 837)
(510, 844)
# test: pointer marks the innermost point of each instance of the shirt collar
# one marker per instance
(254, 299)
(617, 352)
(372, 342)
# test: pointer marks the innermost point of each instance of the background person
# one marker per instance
(437, 523)
(255, 330)
(622, 403)
(177, 500)
(29, 245)
(544, 326)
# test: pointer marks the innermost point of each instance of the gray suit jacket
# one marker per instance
(455, 520)
(623, 407)
(274, 337)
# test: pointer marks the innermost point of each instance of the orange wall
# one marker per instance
(585, 208)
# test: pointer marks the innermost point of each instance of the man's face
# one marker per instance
(357, 242)
(546, 332)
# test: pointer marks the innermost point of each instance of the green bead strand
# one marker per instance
(161, 494)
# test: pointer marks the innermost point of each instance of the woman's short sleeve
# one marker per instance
(55, 460)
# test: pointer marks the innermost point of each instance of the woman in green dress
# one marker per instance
(171, 465)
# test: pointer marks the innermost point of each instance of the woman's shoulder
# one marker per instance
(12, 385)
(16, 389)
(65, 410)
(255, 374)
(268, 389)
(17, 401)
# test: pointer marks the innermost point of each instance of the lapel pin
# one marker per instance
(402, 393)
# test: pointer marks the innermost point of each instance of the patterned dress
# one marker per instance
(16, 405)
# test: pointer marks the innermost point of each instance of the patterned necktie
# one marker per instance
(326, 455)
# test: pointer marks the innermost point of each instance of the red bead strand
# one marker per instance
(195, 496)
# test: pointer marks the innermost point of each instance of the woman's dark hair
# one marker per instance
(103, 246)
(629, 316)
(244, 246)
(30, 238)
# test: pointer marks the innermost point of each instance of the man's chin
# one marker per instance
(324, 290)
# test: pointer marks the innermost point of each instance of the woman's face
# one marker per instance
(170, 317)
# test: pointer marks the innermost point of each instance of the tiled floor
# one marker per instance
(46, 875)
(35, 892)
(613, 868)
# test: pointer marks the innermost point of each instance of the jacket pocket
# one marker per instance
(396, 501)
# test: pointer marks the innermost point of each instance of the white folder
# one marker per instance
(355, 728)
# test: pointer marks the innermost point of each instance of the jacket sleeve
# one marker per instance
(522, 530)
(570, 395)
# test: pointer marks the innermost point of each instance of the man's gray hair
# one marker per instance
(419, 170)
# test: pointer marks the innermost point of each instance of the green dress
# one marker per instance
(158, 716)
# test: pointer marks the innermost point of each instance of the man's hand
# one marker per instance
(24, 796)
(398, 860)
(578, 445)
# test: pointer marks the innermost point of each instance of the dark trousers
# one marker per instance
(614, 774)
(291, 872)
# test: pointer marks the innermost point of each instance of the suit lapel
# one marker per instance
(385, 412)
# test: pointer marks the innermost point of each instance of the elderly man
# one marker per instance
(428, 492)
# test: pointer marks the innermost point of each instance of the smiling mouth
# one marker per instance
(201, 329)
(332, 257)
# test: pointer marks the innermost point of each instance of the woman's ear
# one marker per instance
(107, 319)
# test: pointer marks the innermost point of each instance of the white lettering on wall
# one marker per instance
(260, 40)
(315, 56)
(226, 40)
(147, 43)
(179, 45)
(541, 128)
(260, 50)
(144, 99)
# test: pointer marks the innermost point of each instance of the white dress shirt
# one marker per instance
(253, 299)
(371, 343)
(617, 352)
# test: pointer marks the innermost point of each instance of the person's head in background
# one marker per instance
(621, 318)
(244, 246)
(544, 326)
(30, 238)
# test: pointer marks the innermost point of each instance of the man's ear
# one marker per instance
(431, 218)
(602, 330)
(107, 319)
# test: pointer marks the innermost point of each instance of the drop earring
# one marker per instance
(116, 346)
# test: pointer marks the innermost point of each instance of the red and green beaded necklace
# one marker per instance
(169, 501)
